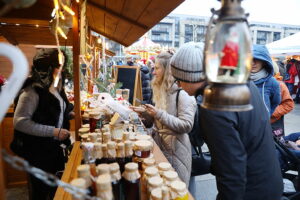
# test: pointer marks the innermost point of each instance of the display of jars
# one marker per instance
(95, 122)
(163, 167)
(154, 182)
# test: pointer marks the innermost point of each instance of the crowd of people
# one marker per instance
(241, 145)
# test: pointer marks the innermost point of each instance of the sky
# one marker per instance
(273, 11)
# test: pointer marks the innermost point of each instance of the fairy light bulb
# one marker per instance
(60, 31)
(68, 9)
(56, 5)
(61, 15)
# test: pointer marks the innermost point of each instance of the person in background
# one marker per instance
(172, 120)
(286, 105)
(242, 149)
(262, 75)
(146, 83)
(41, 120)
(291, 73)
(297, 98)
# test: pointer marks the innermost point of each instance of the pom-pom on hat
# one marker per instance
(187, 63)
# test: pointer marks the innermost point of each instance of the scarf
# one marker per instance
(259, 75)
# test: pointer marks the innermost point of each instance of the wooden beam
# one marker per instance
(108, 36)
(8, 36)
(117, 15)
(21, 21)
(76, 68)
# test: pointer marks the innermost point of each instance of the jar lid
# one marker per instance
(103, 182)
(171, 175)
(93, 135)
(121, 145)
(143, 145)
(83, 130)
(178, 186)
(102, 169)
(143, 137)
(155, 181)
(111, 145)
(131, 166)
(164, 166)
(79, 182)
(149, 161)
(156, 194)
(85, 116)
(114, 167)
(151, 171)
(85, 125)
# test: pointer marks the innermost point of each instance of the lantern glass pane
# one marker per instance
(228, 56)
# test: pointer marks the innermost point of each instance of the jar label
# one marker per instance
(185, 197)
(138, 153)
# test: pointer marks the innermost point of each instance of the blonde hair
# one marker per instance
(161, 87)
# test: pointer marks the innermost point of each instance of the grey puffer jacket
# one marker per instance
(171, 131)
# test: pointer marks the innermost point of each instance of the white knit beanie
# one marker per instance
(187, 63)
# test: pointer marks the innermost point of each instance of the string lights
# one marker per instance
(57, 14)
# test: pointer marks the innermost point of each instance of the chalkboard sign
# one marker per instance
(130, 77)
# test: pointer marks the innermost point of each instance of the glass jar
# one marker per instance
(148, 173)
(93, 137)
(80, 183)
(106, 137)
(85, 119)
(142, 148)
(111, 152)
(83, 131)
(179, 191)
(165, 192)
(115, 180)
(98, 153)
(104, 189)
(154, 182)
(94, 121)
(125, 136)
(128, 151)
(121, 156)
(131, 177)
(169, 177)
(156, 194)
(84, 172)
(163, 167)
(148, 162)
(125, 94)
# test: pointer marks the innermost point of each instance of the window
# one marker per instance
(276, 36)
(262, 37)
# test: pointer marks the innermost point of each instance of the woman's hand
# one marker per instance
(138, 109)
(61, 134)
(151, 110)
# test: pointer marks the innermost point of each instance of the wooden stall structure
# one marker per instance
(123, 21)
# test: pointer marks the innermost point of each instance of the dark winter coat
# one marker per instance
(146, 84)
(269, 87)
(46, 152)
(243, 152)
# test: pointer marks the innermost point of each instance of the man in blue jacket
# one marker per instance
(241, 145)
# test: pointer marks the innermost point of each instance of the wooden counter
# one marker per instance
(75, 158)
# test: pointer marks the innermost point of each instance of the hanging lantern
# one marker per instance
(228, 60)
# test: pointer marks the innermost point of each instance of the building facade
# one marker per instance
(176, 29)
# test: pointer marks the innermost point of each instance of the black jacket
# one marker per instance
(243, 152)
(146, 84)
(45, 152)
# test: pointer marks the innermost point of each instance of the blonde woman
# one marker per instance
(171, 120)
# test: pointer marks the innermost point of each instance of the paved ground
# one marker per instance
(206, 184)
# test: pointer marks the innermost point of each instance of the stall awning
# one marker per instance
(286, 46)
(123, 21)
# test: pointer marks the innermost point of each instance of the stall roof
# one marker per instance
(123, 21)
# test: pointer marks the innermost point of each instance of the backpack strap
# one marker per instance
(192, 142)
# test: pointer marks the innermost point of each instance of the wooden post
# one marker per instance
(2, 185)
(76, 68)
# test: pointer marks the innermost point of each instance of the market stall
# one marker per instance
(121, 21)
